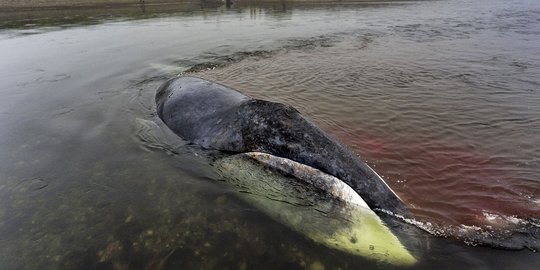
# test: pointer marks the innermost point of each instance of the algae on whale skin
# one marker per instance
(314, 204)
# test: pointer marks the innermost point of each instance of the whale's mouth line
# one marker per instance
(328, 183)
(282, 169)
(384, 182)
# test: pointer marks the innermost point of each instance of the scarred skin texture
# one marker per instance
(220, 118)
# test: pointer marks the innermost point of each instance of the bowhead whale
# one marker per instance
(220, 118)
(287, 167)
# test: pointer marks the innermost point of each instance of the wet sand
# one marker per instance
(66, 4)
(17, 5)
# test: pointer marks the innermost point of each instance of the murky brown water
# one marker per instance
(451, 130)
(441, 97)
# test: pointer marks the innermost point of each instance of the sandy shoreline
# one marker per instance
(17, 5)
(26, 5)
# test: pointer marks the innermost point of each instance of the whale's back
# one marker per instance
(186, 102)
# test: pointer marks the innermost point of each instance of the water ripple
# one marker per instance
(447, 119)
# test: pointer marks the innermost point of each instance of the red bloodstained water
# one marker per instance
(446, 183)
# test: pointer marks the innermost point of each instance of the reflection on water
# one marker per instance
(443, 105)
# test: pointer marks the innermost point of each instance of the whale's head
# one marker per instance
(303, 181)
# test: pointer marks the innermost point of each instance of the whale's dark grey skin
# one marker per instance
(217, 117)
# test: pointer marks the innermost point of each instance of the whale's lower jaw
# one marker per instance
(313, 203)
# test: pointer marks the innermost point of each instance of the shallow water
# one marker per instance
(441, 97)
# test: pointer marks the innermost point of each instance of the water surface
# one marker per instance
(440, 97)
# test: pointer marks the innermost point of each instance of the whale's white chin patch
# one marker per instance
(315, 204)
(311, 176)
